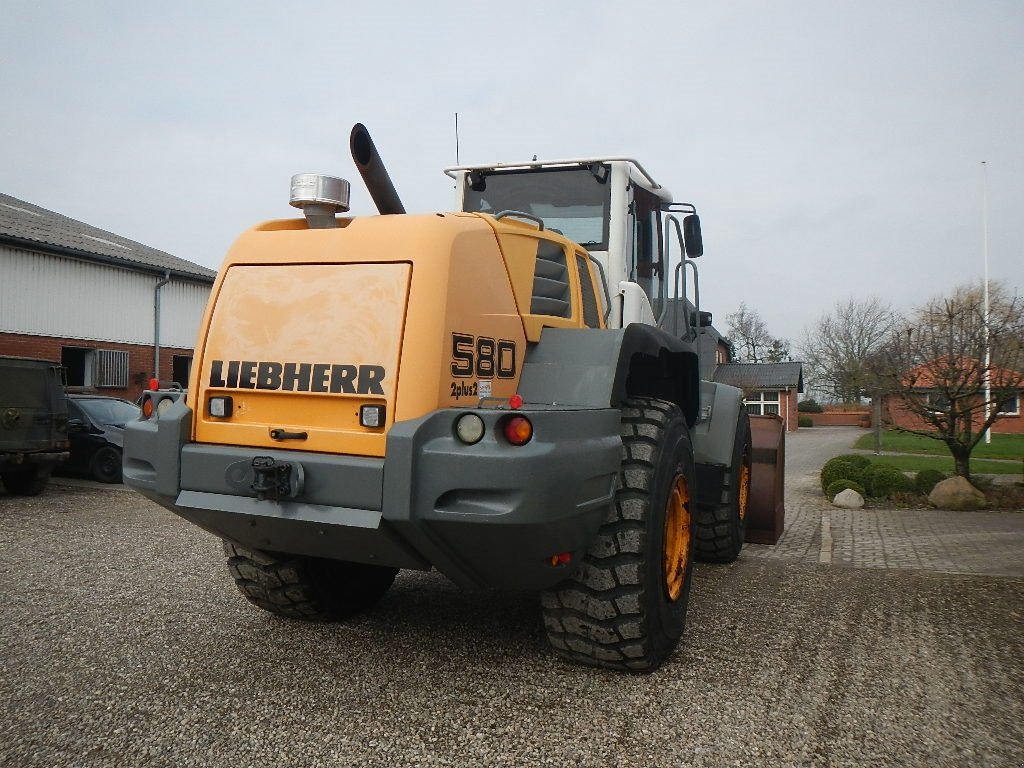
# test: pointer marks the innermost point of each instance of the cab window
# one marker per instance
(646, 267)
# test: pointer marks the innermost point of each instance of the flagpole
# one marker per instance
(988, 351)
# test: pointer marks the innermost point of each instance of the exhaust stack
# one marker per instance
(372, 169)
(320, 198)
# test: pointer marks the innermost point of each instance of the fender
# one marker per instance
(714, 436)
(594, 368)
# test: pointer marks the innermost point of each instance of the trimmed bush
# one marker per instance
(883, 480)
(841, 485)
(927, 479)
(805, 421)
(840, 468)
(810, 405)
(857, 459)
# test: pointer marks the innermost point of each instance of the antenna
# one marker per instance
(456, 138)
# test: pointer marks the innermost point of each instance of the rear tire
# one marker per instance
(106, 465)
(307, 588)
(626, 607)
(721, 530)
(27, 482)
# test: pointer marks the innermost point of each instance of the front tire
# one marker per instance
(626, 608)
(308, 588)
(721, 530)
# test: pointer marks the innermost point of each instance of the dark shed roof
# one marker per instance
(761, 375)
(29, 226)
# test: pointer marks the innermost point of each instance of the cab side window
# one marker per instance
(646, 266)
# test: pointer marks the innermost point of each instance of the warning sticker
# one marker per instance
(485, 388)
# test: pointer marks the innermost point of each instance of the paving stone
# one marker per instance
(981, 543)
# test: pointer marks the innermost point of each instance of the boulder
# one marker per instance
(956, 493)
(848, 499)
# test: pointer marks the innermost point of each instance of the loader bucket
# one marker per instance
(766, 516)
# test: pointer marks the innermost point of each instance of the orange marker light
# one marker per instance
(561, 558)
(147, 407)
(518, 430)
(515, 402)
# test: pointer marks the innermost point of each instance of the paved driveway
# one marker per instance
(990, 543)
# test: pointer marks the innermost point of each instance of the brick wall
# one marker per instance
(848, 418)
(897, 415)
(140, 358)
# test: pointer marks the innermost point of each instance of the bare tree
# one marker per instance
(836, 351)
(936, 367)
(750, 339)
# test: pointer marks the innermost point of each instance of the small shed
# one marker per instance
(768, 388)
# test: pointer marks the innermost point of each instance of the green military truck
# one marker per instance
(33, 423)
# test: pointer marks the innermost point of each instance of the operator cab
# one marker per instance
(610, 206)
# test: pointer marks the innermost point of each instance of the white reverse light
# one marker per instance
(220, 407)
(371, 416)
(470, 428)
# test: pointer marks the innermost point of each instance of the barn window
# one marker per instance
(111, 368)
(91, 368)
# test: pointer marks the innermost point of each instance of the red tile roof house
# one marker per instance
(932, 383)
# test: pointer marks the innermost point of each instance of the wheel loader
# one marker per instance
(490, 392)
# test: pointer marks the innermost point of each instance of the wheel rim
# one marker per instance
(744, 489)
(677, 538)
(107, 464)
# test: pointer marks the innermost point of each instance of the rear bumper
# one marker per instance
(489, 515)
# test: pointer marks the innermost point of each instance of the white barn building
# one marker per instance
(109, 309)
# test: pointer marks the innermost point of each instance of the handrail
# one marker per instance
(670, 219)
(522, 215)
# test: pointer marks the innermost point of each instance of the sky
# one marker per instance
(833, 148)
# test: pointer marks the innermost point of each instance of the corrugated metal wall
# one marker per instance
(48, 295)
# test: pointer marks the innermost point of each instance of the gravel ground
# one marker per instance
(124, 643)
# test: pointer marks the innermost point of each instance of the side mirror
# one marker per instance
(701, 320)
(77, 425)
(691, 236)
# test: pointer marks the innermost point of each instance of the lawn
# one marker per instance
(1001, 447)
(944, 464)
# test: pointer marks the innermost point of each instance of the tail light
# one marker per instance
(518, 430)
(155, 403)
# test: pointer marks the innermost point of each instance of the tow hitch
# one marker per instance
(276, 480)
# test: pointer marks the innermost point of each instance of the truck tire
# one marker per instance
(721, 530)
(27, 482)
(626, 607)
(308, 588)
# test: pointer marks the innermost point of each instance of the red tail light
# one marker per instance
(518, 430)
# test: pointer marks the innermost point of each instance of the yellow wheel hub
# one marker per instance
(676, 555)
(744, 489)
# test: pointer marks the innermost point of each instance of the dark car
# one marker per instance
(96, 429)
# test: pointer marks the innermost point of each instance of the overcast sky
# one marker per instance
(833, 149)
